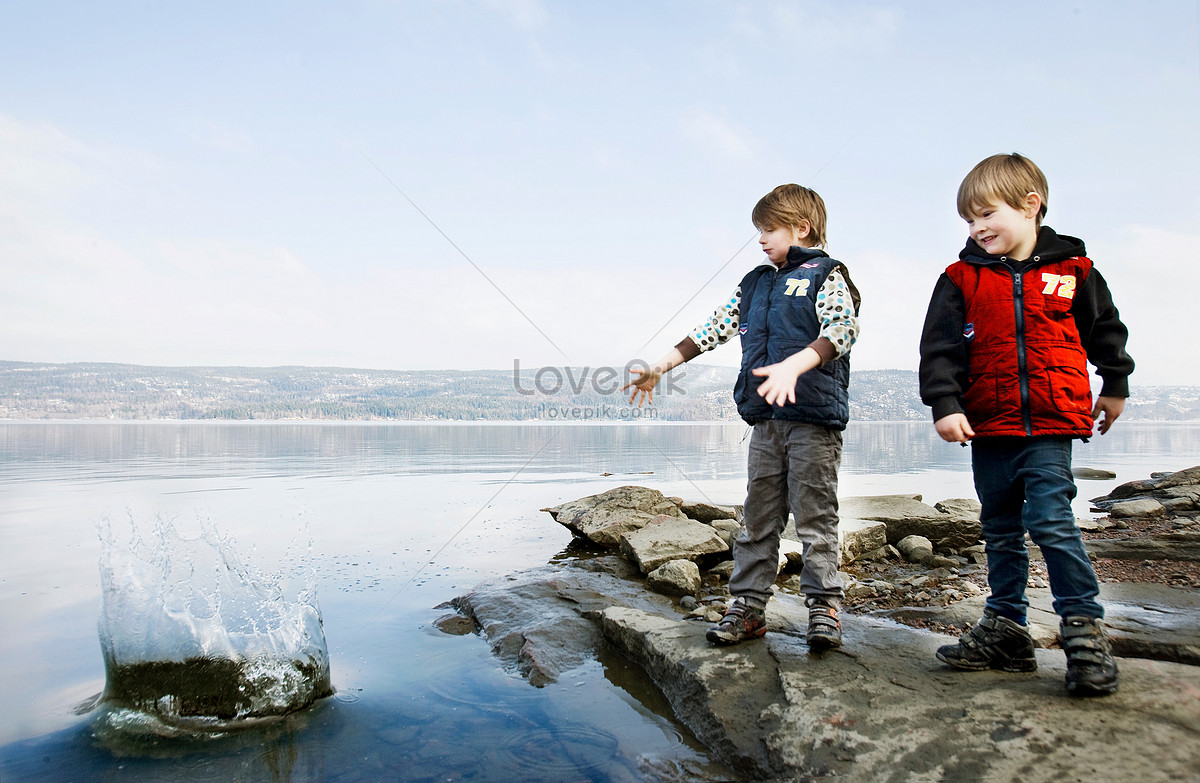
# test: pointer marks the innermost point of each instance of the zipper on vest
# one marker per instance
(1022, 370)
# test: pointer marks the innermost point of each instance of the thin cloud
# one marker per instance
(212, 136)
(528, 15)
(717, 135)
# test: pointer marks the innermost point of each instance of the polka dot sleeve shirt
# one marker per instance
(835, 311)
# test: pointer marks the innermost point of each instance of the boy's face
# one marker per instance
(1001, 230)
(776, 241)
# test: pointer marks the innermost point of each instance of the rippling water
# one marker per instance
(401, 518)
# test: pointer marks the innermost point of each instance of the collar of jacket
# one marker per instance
(1050, 247)
(800, 255)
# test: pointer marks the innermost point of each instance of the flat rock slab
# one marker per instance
(1184, 545)
(881, 708)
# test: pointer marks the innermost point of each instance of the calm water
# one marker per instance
(401, 518)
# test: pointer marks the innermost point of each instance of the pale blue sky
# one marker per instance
(208, 183)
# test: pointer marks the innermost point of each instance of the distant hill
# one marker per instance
(32, 390)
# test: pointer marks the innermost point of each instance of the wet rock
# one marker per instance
(667, 538)
(1149, 621)
(675, 578)
(537, 622)
(605, 517)
(1092, 474)
(775, 711)
(455, 624)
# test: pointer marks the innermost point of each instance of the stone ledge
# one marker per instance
(772, 710)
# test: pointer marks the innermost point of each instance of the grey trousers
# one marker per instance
(792, 465)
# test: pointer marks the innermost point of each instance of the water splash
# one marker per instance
(195, 639)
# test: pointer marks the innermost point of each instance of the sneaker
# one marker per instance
(994, 642)
(1091, 670)
(824, 629)
(741, 622)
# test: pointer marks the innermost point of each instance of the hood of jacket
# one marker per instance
(1050, 246)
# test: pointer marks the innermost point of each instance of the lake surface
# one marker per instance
(401, 517)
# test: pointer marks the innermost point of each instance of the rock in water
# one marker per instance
(194, 639)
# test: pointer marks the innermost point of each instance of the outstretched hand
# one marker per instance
(643, 385)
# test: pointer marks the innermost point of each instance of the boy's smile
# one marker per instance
(776, 241)
(1001, 230)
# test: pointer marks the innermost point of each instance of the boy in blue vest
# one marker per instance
(1004, 352)
(797, 317)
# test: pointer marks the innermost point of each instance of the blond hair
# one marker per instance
(1007, 178)
(790, 206)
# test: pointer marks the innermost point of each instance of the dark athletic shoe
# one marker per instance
(1091, 670)
(994, 642)
(824, 629)
(741, 622)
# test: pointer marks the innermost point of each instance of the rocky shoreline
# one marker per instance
(648, 573)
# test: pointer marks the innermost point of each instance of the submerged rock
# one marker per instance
(1093, 474)
(196, 640)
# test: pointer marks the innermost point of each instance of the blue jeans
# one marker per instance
(1025, 485)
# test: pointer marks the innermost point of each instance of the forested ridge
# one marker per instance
(37, 390)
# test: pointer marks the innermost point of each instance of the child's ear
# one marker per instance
(804, 229)
(1033, 205)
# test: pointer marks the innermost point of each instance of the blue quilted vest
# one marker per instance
(778, 317)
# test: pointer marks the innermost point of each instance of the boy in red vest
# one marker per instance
(1004, 352)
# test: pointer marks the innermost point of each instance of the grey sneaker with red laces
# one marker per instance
(741, 622)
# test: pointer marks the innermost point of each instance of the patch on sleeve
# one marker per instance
(969, 332)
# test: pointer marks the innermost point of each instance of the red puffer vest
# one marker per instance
(1028, 368)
